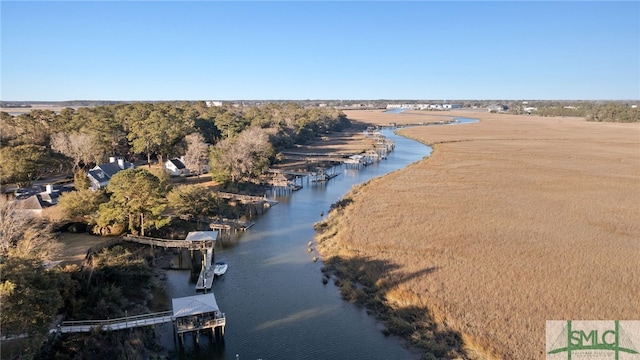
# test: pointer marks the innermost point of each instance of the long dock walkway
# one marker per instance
(83, 326)
(290, 172)
(166, 243)
(246, 198)
(311, 157)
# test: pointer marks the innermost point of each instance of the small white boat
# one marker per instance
(220, 268)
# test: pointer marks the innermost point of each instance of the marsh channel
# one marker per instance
(275, 302)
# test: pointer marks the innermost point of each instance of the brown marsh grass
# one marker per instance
(511, 221)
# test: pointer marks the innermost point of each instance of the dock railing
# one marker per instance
(191, 245)
(115, 324)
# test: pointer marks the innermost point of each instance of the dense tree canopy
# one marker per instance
(609, 111)
(161, 131)
(90, 135)
(24, 164)
(614, 113)
(81, 205)
(194, 201)
(136, 202)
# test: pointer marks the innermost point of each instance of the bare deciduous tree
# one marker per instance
(79, 147)
(197, 154)
(24, 236)
(242, 157)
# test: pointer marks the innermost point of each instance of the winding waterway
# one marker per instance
(275, 302)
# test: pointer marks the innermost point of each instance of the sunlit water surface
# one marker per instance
(275, 302)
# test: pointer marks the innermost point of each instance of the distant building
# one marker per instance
(497, 108)
(213, 103)
(176, 167)
(451, 106)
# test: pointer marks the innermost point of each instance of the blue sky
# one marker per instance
(213, 50)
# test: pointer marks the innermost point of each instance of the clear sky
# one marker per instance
(268, 50)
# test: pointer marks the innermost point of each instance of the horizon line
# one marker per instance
(354, 99)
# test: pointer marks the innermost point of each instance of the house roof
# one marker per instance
(102, 173)
(99, 175)
(51, 198)
(33, 202)
(109, 169)
(193, 305)
(177, 163)
(201, 235)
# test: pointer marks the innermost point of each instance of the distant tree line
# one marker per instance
(609, 111)
(614, 113)
(42, 141)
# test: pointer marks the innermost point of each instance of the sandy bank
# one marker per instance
(519, 220)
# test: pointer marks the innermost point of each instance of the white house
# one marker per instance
(176, 167)
(100, 175)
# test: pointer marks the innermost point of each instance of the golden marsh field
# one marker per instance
(511, 221)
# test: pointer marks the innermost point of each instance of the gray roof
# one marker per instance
(99, 177)
(109, 169)
(51, 198)
(104, 172)
(31, 203)
(202, 236)
(98, 174)
(178, 164)
(194, 305)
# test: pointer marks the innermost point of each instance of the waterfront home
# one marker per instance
(100, 175)
(176, 167)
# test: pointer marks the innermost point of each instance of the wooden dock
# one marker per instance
(289, 172)
(246, 198)
(205, 279)
(129, 322)
(198, 313)
(191, 314)
(202, 241)
(167, 243)
(310, 158)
